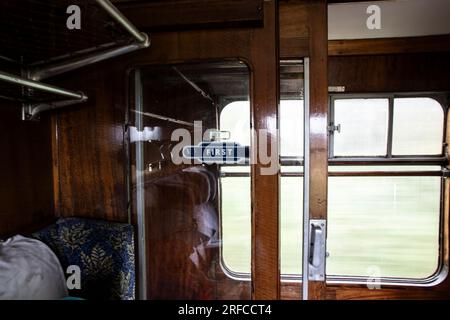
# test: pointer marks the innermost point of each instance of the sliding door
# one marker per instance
(190, 142)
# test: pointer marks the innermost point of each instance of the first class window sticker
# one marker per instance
(217, 152)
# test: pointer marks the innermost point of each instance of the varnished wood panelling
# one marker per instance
(26, 194)
(55, 164)
(174, 200)
(90, 146)
(294, 30)
(175, 270)
(172, 235)
(258, 48)
(318, 123)
(391, 73)
(265, 187)
(389, 45)
(294, 37)
(91, 149)
(291, 291)
(194, 14)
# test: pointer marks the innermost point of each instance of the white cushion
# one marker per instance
(29, 270)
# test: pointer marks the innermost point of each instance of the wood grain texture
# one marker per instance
(55, 165)
(439, 43)
(90, 150)
(194, 14)
(391, 73)
(250, 46)
(409, 66)
(265, 186)
(318, 123)
(173, 196)
(291, 291)
(172, 235)
(388, 73)
(294, 35)
(26, 194)
(92, 153)
(294, 29)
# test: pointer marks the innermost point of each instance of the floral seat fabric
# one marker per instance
(104, 252)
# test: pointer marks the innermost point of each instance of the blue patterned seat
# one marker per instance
(104, 251)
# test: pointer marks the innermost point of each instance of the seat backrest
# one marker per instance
(104, 252)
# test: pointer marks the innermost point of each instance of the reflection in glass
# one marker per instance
(178, 205)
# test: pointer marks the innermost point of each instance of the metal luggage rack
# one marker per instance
(29, 31)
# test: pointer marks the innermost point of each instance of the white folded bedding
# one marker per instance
(29, 270)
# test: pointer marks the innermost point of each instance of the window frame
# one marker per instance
(439, 97)
(441, 160)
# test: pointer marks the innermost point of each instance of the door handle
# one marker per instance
(315, 244)
(317, 250)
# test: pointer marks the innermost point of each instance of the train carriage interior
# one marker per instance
(224, 150)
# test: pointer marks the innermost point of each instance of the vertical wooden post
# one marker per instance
(265, 222)
(55, 165)
(318, 121)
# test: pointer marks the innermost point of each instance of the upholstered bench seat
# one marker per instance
(104, 252)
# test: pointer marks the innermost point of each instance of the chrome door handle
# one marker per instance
(317, 250)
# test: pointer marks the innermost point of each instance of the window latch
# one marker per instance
(332, 128)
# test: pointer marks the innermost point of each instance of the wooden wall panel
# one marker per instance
(173, 198)
(194, 14)
(257, 47)
(318, 123)
(90, 147)
(391, 73)
(402, 72)
(265, 187)
(294, 29)
(439, 43)
(26, 194)
(381, 65)
(386, 73)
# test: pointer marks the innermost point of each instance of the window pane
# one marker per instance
(418, 127)
(291, 196)
(364, 127)
(235, 194)
(384, 225)
(291, 128)
(179, 201)
(235, 118)
(236, 224)
(388, 225)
